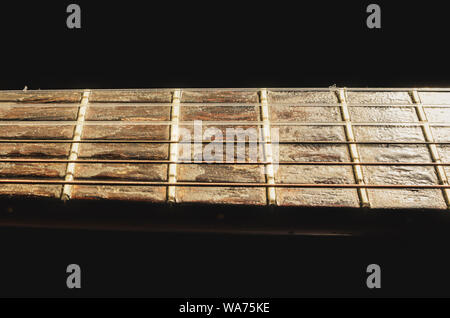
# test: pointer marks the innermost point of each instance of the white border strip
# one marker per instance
(73, 155)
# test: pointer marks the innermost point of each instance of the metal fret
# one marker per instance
(73, 155)
(268, 153)
(353, 150)
(174, 137)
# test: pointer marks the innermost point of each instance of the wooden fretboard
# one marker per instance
(335, 147)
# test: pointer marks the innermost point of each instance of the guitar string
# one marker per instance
(240, 89)
(215, 123)
(190, 162)
(221, 184)
(156, 141)
(207, 104)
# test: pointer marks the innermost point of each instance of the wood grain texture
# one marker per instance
(383, 114)
(444, 153)
(150, 194)
(438, 115)
(221, 195)
(316, 114)
(315, 174)
(301, 97)
(41, 96)
(30, 191)
(435, 97)
(36, 150)
(134, 172)
(379, 97)
(40, 170)
(220, 173)
(218, 96)
(221, 113)
(131, 96)
(398, 198)
(133, 112)
(37, 132)
(40, 112)
(127, 106)
(126, 132)
(124, 151)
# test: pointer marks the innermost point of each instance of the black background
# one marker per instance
(137, 44)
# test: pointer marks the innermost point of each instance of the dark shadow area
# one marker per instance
(187, 251)
(143, 45)
(216, 218)
(142, 264)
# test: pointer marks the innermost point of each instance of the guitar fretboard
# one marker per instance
(329, 147)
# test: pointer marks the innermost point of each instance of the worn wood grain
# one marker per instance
(30, 190)
(435, 97)
(220, 113)
(316, 114)
(128, 113)
(444, 153)
(131, 96)
(39, 170)
(126, 132)
(41, 96)
(221, 173)
(438, 115)
(37, 132)
(134, 172)
(136, 193)
(379, 97)
(124, 151)
(36, 150)
(14, 112)
(383, 114)
(309, 133)
(315, 174)
(221, 195)
(301, 97)
(218, 96)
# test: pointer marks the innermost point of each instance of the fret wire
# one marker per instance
(221, 184)
(268, 150)
(173, 148)
(353, 148)
(66, 191)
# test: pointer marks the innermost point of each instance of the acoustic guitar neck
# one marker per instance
(326, 147)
